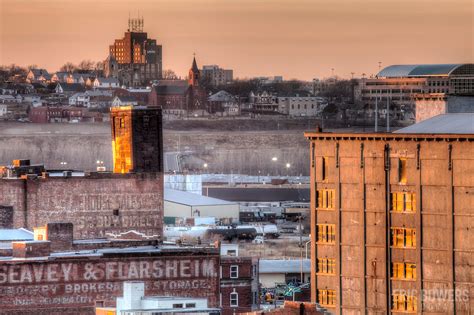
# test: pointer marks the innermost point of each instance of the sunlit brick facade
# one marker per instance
(391, 224)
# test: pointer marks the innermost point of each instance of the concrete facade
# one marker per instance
(433, 104)
(391, 223)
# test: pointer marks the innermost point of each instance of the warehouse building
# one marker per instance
(392, 219)
(182, 204)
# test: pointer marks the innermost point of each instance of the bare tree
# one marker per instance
(86, 65)
(99, 65)
(169, 74)
(68, 67)
(33, 66)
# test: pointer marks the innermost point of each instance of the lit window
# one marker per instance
(403, 201)
(326, 233)
(326, 266)
(234, 271)
(327, 297)
(234, 299)
(326, 199)
(404, 303)
(403, 238)
(402, 270)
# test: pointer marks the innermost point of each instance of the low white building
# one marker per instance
(301, 105)
(10, 99)
(3, 109)
(82, 99)
(281, 271)
(134, 302)
(182, 204)
(124, 101)
(106, 83)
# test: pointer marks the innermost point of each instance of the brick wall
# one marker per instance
(74, 285)
(97, 204)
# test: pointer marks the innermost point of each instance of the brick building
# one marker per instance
(239, 284)
(101, 203)
(137, 139)
(50, 114)
(58, 275)
(135, 59)
(391, 222)
(180, 98)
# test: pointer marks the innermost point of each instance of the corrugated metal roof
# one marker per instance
(284, 265)
(397, 71)
(16, 235)
(461, 123)
(190, 199)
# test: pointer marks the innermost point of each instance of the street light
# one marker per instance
(274, 159)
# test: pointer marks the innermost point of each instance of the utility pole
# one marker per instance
(388, 113)
(376, 114)
(301, 253)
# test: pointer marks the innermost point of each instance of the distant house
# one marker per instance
(101, 83)
(10, 99)
(224, 103)
(69, 88)
(124, 100)
(82, 99)
(78, 78)
(60, 76)
(38, 75)
(3, 109)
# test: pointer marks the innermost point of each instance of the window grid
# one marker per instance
(326, 199)
(326, 233)
(327, 297)
(404, 303)
(403, 202)
(326, 266)
(403, 237)
(403, 271)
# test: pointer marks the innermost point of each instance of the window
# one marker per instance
(190, 305)
(326, 266)
(326, 199)
(403, 201)
(324, 169)
(234, 299)
(116, 212)
(122, 123)
(402, 170)
(403, 270)
(234, 271)
(326, 233)
(404, 303)
(327, 297)
(177, 305)
(403, 238)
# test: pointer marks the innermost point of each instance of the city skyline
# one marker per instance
(255, 38)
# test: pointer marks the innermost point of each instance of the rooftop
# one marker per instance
(460, 123)
(284, 265)
(15, 235)
(428, 70)
(190, 199)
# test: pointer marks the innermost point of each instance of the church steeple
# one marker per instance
(194, 74)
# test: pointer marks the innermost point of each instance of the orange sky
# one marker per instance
(294, 38)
